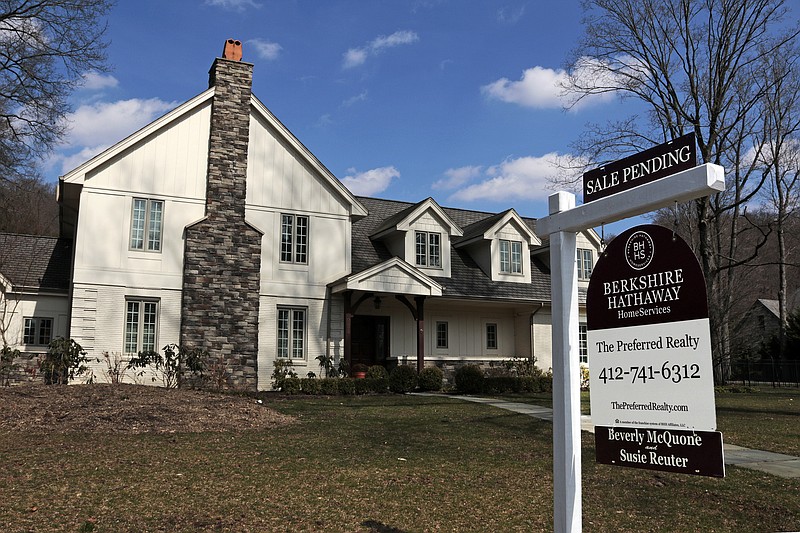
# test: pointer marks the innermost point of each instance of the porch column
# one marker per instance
(348, 327)
(420, 332)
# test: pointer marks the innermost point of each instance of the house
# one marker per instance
(34, 295)
(758, 327)
(214, 227)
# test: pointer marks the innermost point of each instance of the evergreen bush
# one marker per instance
(469, 379)
(402, 379)
(430, 379)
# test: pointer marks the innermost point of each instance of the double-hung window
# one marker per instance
(510, 257)
(491, 336)
(428, 249)
(37, 331)
(146, 224)
(294, 239)
(291, 332)
(441, 335)
(141, 324)
(583, 346)
(585, 263)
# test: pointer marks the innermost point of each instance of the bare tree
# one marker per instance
(46, 46)
(28, 205)
(696, 66)
(781, 158)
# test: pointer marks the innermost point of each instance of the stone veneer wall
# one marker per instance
(222, 253)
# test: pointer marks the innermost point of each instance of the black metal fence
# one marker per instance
(777, 373)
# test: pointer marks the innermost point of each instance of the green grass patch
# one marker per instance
(372, 463)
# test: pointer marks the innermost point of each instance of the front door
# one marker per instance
(370, 340)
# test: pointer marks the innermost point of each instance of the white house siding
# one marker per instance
(15, 308)
(542, 333)
(315, 340)
(98, 321)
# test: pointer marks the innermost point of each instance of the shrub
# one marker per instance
(282, 370)
(347, 386)
(379, 384)
(469, 379)
(65, 359)
(430, 379)
(7, 365)
(329, 386)
(291, 385)
(402, 379)
(311, 385)
(362, 386)
(175, 365)
(376, 372)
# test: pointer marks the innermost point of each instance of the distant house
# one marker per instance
(214, 227)
(757, 327)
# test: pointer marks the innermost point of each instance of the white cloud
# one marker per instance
(358, 56)
(233, 5)
(457, 177)
(71, 161)
(104, 123)
(355, 99)
(510, 15)
(526, 178)
(370, 182)
(543, 88)
(265, 49)
(94, 81)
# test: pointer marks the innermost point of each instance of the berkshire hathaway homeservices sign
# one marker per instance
(649, 351)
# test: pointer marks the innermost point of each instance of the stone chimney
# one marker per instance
(222, 252)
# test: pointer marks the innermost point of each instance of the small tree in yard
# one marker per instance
(175, 365)
(64, 361)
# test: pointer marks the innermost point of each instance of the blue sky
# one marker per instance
(452, 99)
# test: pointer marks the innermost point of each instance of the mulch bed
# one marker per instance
(101, 408)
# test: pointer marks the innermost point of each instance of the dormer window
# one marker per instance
(428, 249)
(585, 263)
(510, 257)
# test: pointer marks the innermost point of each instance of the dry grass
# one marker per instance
(366, 464)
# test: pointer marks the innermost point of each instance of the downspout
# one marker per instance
(533, 336)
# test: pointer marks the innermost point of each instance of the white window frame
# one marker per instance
(583, 344)
(291, 339)
(585, 263)
(491, 336)
(141, 325)
(510, 256)
(34, 332)
(442, 335)
(428, 249)
(146, 233)
(294, 242)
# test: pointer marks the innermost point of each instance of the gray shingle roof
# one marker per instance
(467, 279)
(36, 262)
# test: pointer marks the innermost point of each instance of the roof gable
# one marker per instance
(393, 276)
(403, 220)
(488, 229)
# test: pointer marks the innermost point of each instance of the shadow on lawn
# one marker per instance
(380, 527)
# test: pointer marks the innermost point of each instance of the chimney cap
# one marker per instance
(232, 50)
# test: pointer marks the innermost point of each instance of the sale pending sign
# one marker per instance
(649, 348)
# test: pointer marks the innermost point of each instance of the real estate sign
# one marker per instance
(649, 348)
(654, 163)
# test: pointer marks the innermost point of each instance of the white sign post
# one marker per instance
(564, 221)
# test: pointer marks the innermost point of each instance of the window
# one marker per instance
(141, 321)
(38, 331)
(146, 224)
(491, 336)
(291, 332)
(294, 239)
(583, 351)
(510, 256)
(441, 335)
(584, 263)
(428, 249)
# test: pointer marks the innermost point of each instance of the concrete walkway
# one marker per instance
(776, 464)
